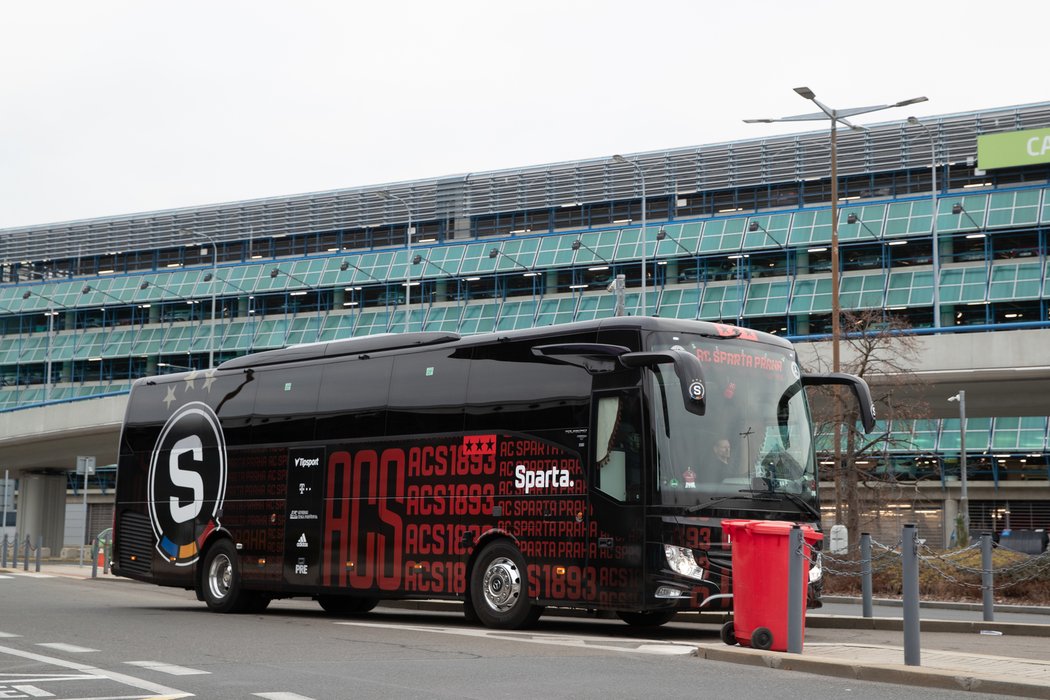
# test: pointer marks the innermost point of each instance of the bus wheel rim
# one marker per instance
(502, 584)
(220, 577)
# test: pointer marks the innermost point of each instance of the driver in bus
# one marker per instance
(722, 466)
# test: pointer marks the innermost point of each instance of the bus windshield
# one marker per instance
(755, 434)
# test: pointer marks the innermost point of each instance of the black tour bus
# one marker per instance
(583, 465)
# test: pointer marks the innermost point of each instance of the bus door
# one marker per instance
(616, 530)
(284, 417)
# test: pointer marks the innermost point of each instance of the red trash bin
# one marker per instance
(760, 581)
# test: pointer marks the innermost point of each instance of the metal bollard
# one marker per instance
(986, 577)
(14, 550)
(910, 583)
(94, 558)
(39, 550)
(865, 575)
(3, 553)
(795, 592)
(25, 555)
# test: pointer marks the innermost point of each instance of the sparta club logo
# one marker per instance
(187, 482)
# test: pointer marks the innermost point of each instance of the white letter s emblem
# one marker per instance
(186, 479)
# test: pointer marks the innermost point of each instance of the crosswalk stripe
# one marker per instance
(71, 648)
(170, 669)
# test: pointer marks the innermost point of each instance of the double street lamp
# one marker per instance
(51, 304)
(836, 117)
(214, 273)
(641, 177)
(408, 268)
(933, 199)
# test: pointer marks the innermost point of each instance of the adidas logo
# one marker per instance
(302, 541)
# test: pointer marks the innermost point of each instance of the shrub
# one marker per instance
(949, 575)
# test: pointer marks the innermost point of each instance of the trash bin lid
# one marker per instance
(782, 528)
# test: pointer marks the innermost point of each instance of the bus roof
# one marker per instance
(400, 341)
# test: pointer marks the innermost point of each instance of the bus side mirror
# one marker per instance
(860, 391)
(686, 367)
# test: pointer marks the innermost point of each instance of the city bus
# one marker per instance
(583, 465)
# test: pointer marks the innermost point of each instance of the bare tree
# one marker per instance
(882, 349)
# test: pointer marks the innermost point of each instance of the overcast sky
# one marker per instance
(119, 107)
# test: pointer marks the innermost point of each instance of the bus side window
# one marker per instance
(619, 447)
(353, 399)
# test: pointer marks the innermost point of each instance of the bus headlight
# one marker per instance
(683, 562)
(817, 570)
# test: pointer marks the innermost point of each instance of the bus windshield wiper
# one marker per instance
(757, 495)
(804, 505)
(701, 507)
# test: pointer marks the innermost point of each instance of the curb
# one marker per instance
(1029, 629)
(944, 604)
(881, 673)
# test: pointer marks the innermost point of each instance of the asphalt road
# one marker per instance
(68, 638)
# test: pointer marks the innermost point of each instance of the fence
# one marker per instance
(99, 545)
(910, 553)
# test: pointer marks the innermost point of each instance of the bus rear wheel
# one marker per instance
(499, 588)
(648, 618)
(346, 605)
(221, 581)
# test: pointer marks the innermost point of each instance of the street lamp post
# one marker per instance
(936, 244)
(215, 273)
(836, 116)
(641, 176)
(408, 268)
(50, 339)
(964, 501)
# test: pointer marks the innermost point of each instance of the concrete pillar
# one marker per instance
(42, 508)
(671, 272)
(441, 289)
(947, 248)
(947, 314)
(461, 228)
(802, 261)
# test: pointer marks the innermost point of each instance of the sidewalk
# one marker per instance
(962, 669)
(1005, 658)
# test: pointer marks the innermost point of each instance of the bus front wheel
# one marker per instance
(221, 580)
(499, 588)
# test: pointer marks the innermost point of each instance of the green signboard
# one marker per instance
(1013, 148)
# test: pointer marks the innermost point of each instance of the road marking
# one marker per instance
(5, 576)
(170, 669)
(625, 644)
(33, 691)
(281, 696)
(71, 648)
(12, 678)
(155, 689)
(9, 634)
